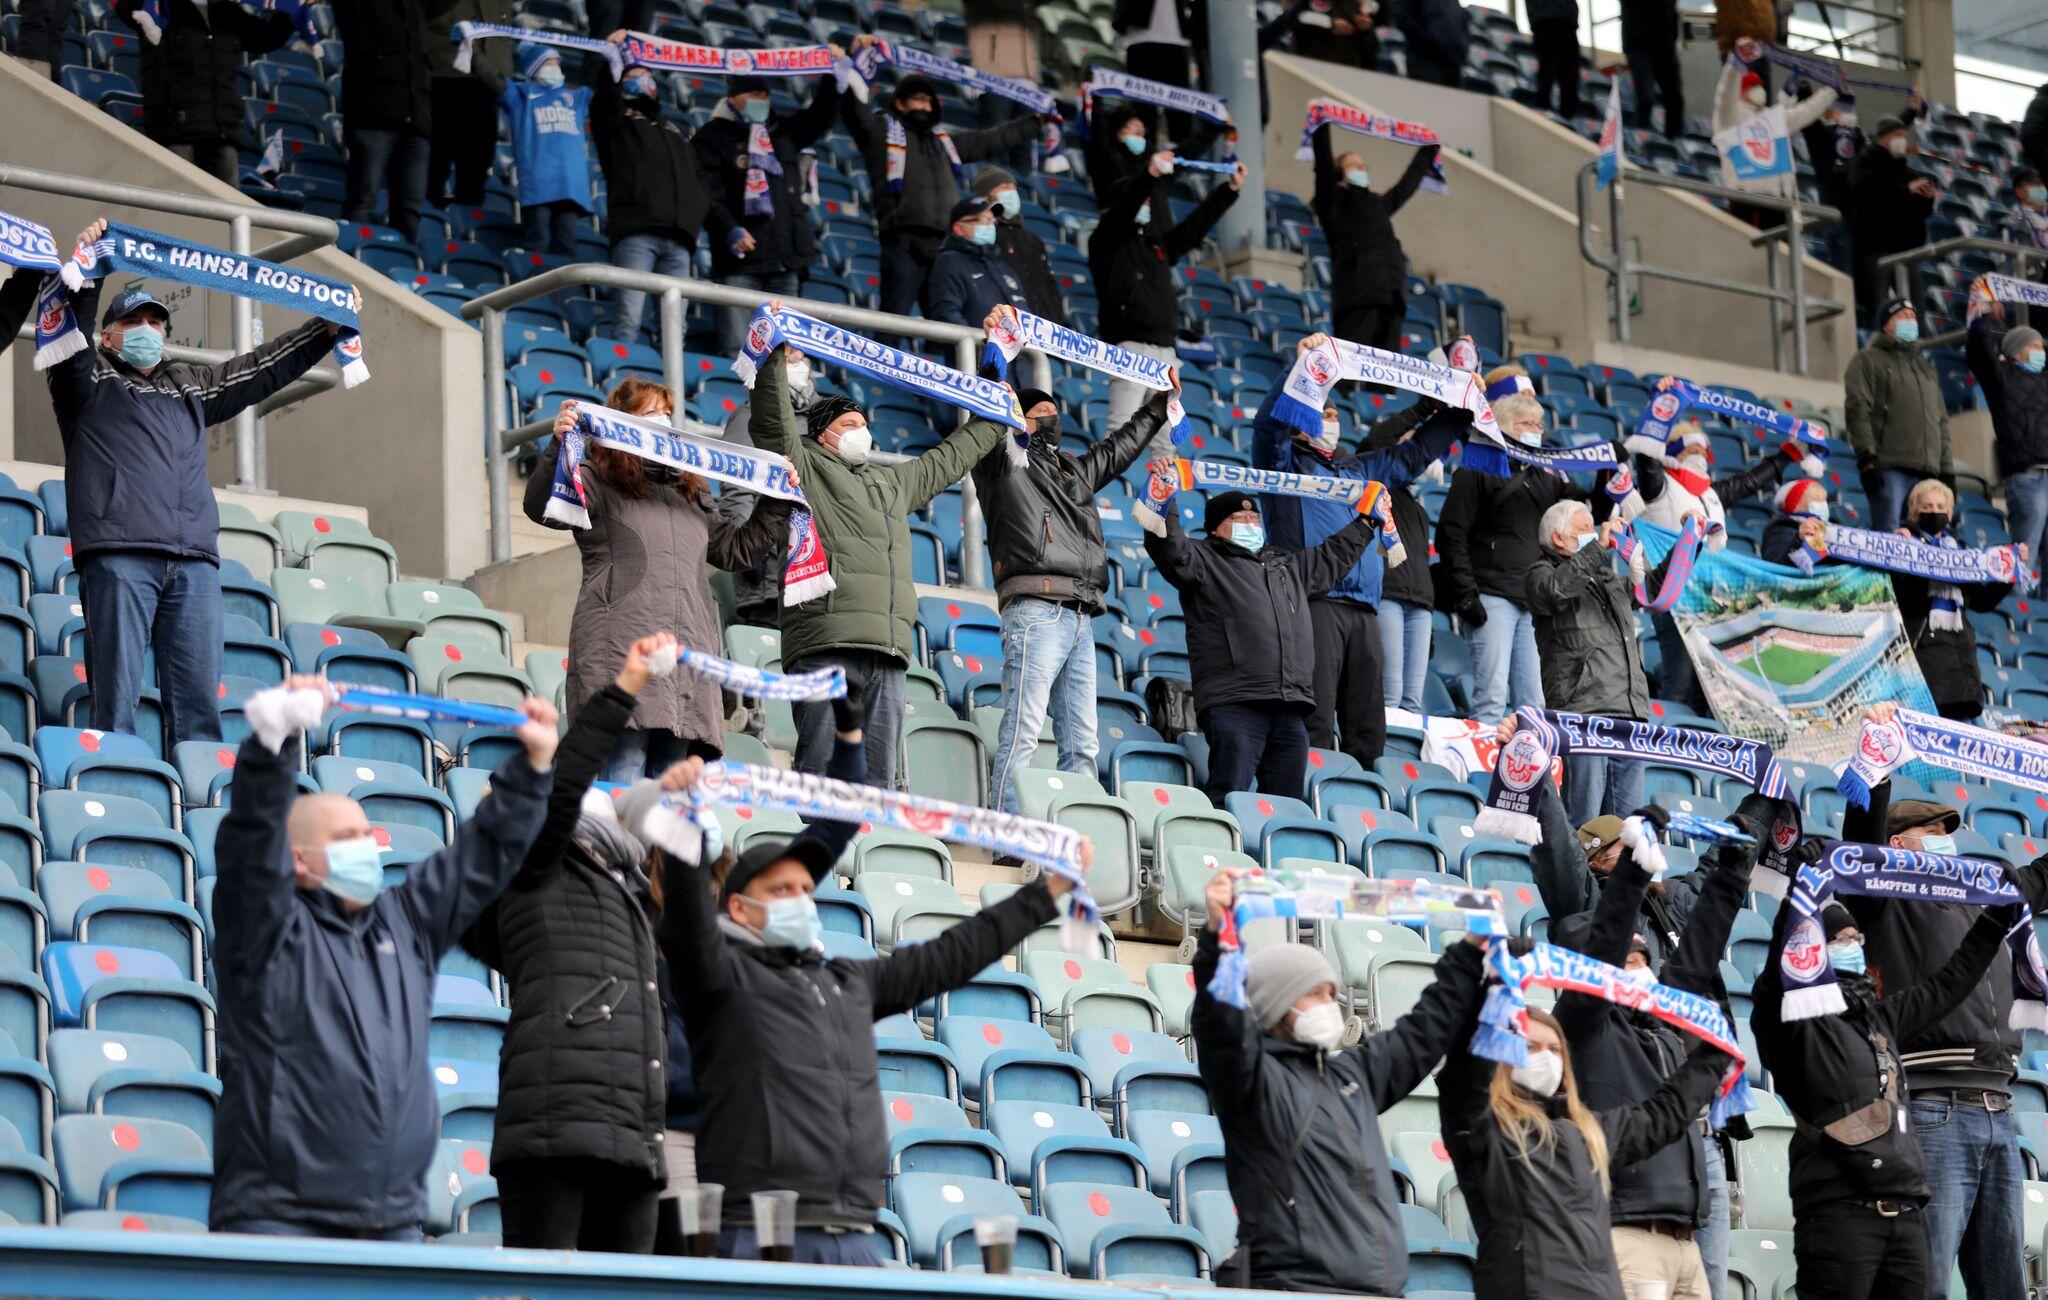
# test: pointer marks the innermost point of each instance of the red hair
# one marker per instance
(624, 472)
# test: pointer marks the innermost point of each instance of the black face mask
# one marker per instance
(644, 105)
(1931, 523)
(920, 119)
(1047, 426)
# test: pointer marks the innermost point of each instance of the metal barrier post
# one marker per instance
(497, 457)
(1615, 222)
(973, 533)
(1775, 278)
(673, 329)
(1894, 268)
(1795, 255)
(248, 476)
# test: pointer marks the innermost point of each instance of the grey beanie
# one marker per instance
(2018, 339)
(1275, 978)
(632, 805)
(606, 842)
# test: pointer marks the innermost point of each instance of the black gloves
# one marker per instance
(1473, 612)
(849, 712)
(2031, 880)
(1656, 816)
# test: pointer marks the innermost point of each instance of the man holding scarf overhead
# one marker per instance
(2015, 387)
(1367, 290)
(145, 530)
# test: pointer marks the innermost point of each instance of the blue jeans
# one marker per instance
(656, 253)
(648, 751)
(389, 160)
(1712, 1238)
(1048, 671)
(1504, 660)
(1894, 487)
(732, 321)
(286, 1228)
(551, 227)
(2026, 508)
(138, 599)
(1404, 653)
(1595, 784)
(881, 678)
(1974, 1213)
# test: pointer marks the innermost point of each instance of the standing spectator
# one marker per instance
(1368, 269)
(1832, 144)
(1408, 592)
(39, 45)
(782, 1038)
(1802, 516)
(1300, 1115)
(1132, 254)
(1123, 143)
(1649, 40)
(2028, 225)
(1898, 422)
(1350, 672)
(148, 545)
(970, 279)
(1892, 203)
(1002, 38)
(1487, 538)
(387, 115)
(1438, 36)
(649, 523)
(916, 167)
(1020, 246)
(1159, 40)
(1554, 29)
(464, 109)
(1335, 31)
(1584, 613)
(190, 102)
(753, 163)
(862, 512)
(550, 120)
(1944, 643)
(757, 591)
(17, 300)
(2016, 390)
(2034, 132)
(578, 1144)
(1251, 645)
(327, 1118)
(1740, 95)
(656, 198)
(607, 18)
(1051, 571)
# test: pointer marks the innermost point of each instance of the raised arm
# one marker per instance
(1106, 461)
(1634, 1132)
(71, 379)
(739, 541)
(1913, 1009)
(1746, 483)
(1462, 1105)
(1411, 179)
(1976, 351)
(1401, 462)
(914, 973)
(772, 420)
(1564, 880)
(254, 893)
(1695, 966)
(808, 125)
(1327, 179)
(1228, 1043)
(234, 385)
(992, 141)
(1553, 586)
(1395, 1061)
(1324, 565)
(17, 300)
(933, 472)
(1806, 112)
(1182, 560)
(1187, 236)
(1272, 437)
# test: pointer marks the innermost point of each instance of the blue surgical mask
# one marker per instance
(1250, 536)
(1144, 217)
(640, 87)
(984, 235)
(791, 923)
(1360, 177)
(1010, 201)
(1944, 844)
(1907, 331)
(142, 346)
(355, 870)
(549, 76)
(1134, 143)
(755, 110)
(2035, 194)
(2034, 360)
(1818, 510)
(1846, 958)
(1584, 540)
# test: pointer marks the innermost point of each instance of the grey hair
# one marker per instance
(1514, 407)
(1558, 519)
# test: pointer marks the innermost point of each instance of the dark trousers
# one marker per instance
(906, 261)
(1557, 63)
(136, 600)
(42, 31)
(1851, 1252)
(217, 158)
(1376, 325)
(881, 679)
(574, 1203)
(812, 1246)
(1676, 679)
(1168, 64)
(551, 226)
(1266, 741)
(393, 160)
(286, 1228)
(1657, 79)
(1351, 705)
(1423, 66)
(465, 136)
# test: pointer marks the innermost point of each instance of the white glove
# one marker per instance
(662, 662)
(277, 714)
(1641, 842)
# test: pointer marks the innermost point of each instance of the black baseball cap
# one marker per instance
(129, 301)
(806, 850)
(971, 206)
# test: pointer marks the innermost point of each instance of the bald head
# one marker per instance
(316, 821)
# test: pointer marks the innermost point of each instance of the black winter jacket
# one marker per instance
(783, 239)
(651, 176)
(1971, 1044)
(1570, 888)
(1439, 29)
(2018, 399)
(1133, 264)
(1133, 15)
(189, 95)
(327, 1113)
(1044, 529)
(1486, 532)
(1649, 25)
(1828, 1067)
(783, 1042)
(1947, 656)
(1025, 252)
(1328, 1219)
(930, 189)
(968, 281)
(384, 81)
(575, 944)
(1543, 1220)
(1889, 217)
(17, 300)
(1250, 640)
(1780, 540)
(2034, 132)
(1584, 612)
(1368, 268)
(135, 444)
(1410, 584)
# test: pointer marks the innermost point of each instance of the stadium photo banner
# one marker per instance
(1792, 659)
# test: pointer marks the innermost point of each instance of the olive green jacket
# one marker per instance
(1895, 411)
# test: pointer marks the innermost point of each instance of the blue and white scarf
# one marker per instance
(1653, 434)
(1884, 747)
(1988, 288)
(1373, 126)
(896, 146)
(1541, 735)
(729, 784)
(1175, 99)
(466, 35)
(152, 17)
(1902, 875)
(1016, 330)
(1367, 496)
(1018, 91)
(1704, 829)
(913, 374)
(1199, 165)
(424, 708)
(761, 164)
(807, 572)
(1944, 563)
(760, 683)
(638, 50)
(1611, 158)
(131, 250)
(1821, 71)
(26, 244)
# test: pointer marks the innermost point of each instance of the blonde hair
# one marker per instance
(1930, 487)
(1515, 407)
(1525, 1121)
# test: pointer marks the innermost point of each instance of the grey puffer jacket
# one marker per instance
(643, 571)
(1586, 635)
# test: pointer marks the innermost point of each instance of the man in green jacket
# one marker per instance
(1898, 423)
(862, 512)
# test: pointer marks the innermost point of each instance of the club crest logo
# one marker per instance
(1664, 406)
(350, 347)
(1805, 951)
(1881, 745)
(1784, 835)
(739, 61)
(52, 319)
(1320, 368)
(757, 336)
(1523, 762)
(2002, 562)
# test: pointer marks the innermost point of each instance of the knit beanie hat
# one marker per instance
(1834, 918)
(1798, 496)
(532, 55)
(2018, 339)
(1225, 504)
(1276, 977)
(827, 409)
(990, 179)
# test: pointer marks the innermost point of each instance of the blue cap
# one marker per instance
(532, 54)
(127, 301)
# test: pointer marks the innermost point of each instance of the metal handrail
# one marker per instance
(317, 380)
(1898, 268)
(1800, 217)
(502, 438)
(305, 232)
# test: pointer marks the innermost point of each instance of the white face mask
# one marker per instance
(798, 373)
(1897, 144)
(1321, 1026)
(855, 445)
(1640, 976)
(1327, 439)
(1543, 1074)
(1754, 96)
(1528, 437)
(1819, 510)
(1696, 464)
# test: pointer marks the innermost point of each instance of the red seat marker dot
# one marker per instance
(1522, 894)
(1315, 759)
(1155, 600)
(382, 836)
(1410, 771)
(134, 1223)
(1160, 796)
(320, 524)
(619, 350)
(902, 1110)
(1440, 1151)
(90, 742)
(225, 757)
(992, 1035)
(1265, 807)
(1148, 636)
(475, 1161)
(1121, 1042)
(452, 651)
(952, 610)
(329, 637)
(98, 878)
(1071, 969)
(108, 963)
(127, 1137)
(1099, 1203)
(78, 671)
(1191, 979)
(1372, 823)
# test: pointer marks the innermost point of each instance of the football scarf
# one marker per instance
(913, 374)
(1374, 126)
(1885, 747)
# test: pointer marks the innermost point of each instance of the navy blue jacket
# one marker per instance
(327, 1114)
(1296, 524)
(135, 444)
(969, 281)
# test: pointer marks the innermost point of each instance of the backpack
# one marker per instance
(1170, 704)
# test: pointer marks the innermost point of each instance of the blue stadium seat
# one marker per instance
(1114, 1233)
(931, 1135)
(1138, 1070)
(468, 1023)
(116, 831)
(938, 1212)
(138, 1076)
(128, 990)
(458, 1181)
(348, 654)
(28, 1183)
(1045, 1143)
(1183, 1153)
(109, 763)
(390, 793)
(123, 906)
(1022, 1057)
(153, 1166)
